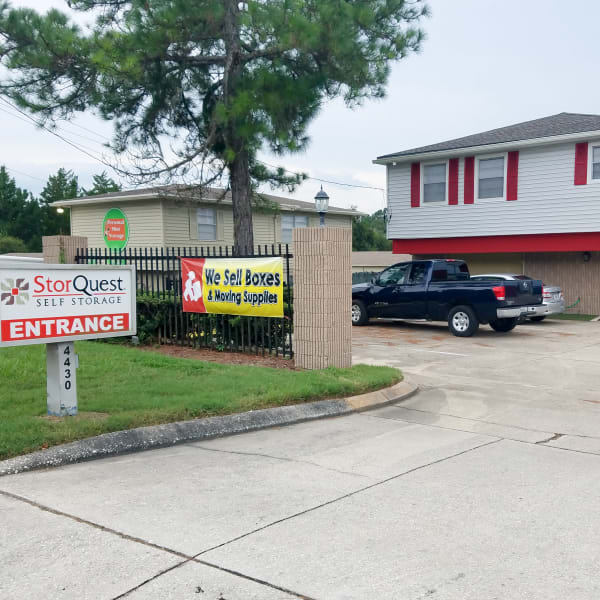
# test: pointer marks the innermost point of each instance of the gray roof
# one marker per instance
(560, 124)
(197, 194)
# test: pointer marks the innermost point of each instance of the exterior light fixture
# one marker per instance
(587, 256)
(60, 211)
(321, 204)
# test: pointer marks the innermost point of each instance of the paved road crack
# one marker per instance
(282, 458)
(348, 495)
(441, 414)
(186, 558)
(556, 436)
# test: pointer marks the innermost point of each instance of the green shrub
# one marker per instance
(8, 243)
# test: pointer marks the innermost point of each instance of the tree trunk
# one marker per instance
(241, 194)
(241, 190)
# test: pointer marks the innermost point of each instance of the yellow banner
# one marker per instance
(233, 286)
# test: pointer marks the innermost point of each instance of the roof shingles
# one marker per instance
(560, 124)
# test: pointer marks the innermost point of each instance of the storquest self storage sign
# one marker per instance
(59, 303)
(233, 286)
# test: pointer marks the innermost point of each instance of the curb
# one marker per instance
(170, 434)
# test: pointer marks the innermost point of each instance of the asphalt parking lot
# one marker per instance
(484, 485)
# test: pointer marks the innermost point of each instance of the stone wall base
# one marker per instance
(322, 297)
(62, 249)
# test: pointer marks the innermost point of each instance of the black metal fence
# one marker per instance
(159, 301)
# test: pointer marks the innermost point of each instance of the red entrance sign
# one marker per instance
(56, 327)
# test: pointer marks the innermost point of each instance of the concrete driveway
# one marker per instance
(484, 485)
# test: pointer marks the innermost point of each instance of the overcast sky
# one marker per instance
(484, 64)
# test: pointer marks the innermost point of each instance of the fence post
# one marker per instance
(322, 297)
(62, 249)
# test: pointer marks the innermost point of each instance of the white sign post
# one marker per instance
(58, 304)
(61, 362)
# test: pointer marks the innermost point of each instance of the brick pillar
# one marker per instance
(61, 249)
(322, 297)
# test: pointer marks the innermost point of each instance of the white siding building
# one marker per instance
(523, 198)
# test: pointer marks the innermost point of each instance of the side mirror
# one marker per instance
(373, 280)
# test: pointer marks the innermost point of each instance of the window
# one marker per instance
(595, 162)
(491, 178)
(450, 271)
(418, 273)
(395, 275)
(434, 183)
(207, 224)
(289, 223)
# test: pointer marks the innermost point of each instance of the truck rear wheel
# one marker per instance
(462, 321)
(359, 313)
(504, 325)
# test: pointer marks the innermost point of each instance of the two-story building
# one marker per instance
(523, 199)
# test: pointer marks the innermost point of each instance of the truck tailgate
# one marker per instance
(523, 292)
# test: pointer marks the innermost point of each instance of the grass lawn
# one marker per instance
(573, 317)
(121, 387)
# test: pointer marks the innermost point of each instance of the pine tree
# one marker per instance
(20, 214)
(103, 184)
(225, 78)
(62, 186)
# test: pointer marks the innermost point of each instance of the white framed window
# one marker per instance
(289, 223)
(594, 162)
(490, 177)
(206, 219)
(434, 183)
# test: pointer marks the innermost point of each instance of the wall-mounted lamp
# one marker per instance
(587, 256)
(60, 211)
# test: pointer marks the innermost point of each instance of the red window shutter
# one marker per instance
(415, 184)
(453, 181)
(581, 163)
(469, 179)
(512, 175)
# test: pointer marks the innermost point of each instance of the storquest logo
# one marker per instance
(14, 291)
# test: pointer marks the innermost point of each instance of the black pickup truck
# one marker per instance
(441, 290)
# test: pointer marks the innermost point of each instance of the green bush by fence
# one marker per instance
(219, 332)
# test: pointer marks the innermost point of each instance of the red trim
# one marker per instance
(453, 181)
(512, 175)
(581, 163)
(415, 185)
(543, 242)
(469, 180)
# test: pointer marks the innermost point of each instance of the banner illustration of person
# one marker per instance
(233, 286)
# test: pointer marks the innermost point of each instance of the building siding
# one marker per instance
(144, 218)
(166, 223)
(579, 280)
(548, 202)
(180, 223)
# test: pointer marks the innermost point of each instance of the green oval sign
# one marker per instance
(116, 229)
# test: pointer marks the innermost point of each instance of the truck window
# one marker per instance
(418, 273)
(450, 271)
(396, 275)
